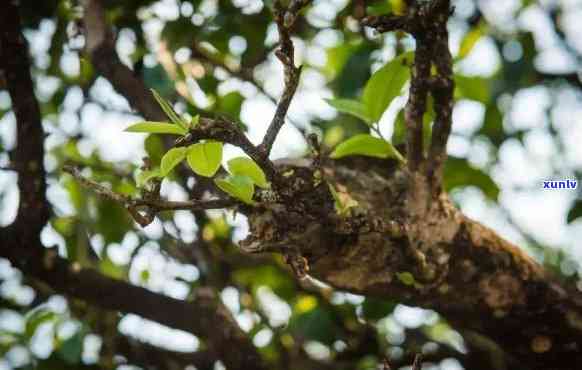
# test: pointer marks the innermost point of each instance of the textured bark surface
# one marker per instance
(476, 279)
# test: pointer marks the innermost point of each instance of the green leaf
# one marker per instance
(238, 186)
(406, 278)
(157, 128)
(167, 108)
(353, 107)
(575, 211)
(72, 349)
(248, 167)
(376, 308)
(367, 145)
(143, 177)
(195, 121)
(317, 324)
(386, 84)
(474, 88)
(470, 40)
(37, 318)
(204, 158)
(342, 202)
(458, 172)
(171, 159)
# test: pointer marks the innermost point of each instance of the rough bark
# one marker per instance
(481, 283)
(403, 224)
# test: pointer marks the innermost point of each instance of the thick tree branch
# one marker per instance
(152, 357)
(28, 156)
(206, 317)
(479, 281)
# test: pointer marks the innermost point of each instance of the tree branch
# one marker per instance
(206, 317)
(149, 207)
(100, 47)
(285, 18)
(28, 156)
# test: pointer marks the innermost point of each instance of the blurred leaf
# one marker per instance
(107, 267)
(143, 177)
(406, 278)
(37, 318)
(575, 211)
(493, 125)
(230, 104)
(157, 128)
(379, 8)
(386, 84)
(154, 147)
(398, 6)
(171, 159)
(458, 172)
(238, 186)
(204, 158)
(246, 166)
(474, 88)
(353, 107)
(376, 309)
(366, 145)
(354, 70)
(194, 121)
(156, 78)
(470, 40)
(316, 324)
(112, 221)
(275, 278)
(305, 303)
(72, 348)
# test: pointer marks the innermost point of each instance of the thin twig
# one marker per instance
(242, 74)
(285, 18)
(144, 210)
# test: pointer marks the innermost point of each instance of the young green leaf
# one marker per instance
(342, 202)
(204, 158)
(246, 166)
(474, 88)
(238, 186)
(386, 84)
(171, 159)
(195, 120)
(367, 145)
(167, 108)
(353, 107)
(143, 177)
(157, 128)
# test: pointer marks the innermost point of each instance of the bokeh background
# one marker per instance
(517, 121)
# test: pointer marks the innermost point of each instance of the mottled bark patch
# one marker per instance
(502, 291)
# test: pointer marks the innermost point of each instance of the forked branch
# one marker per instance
(427, 23)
